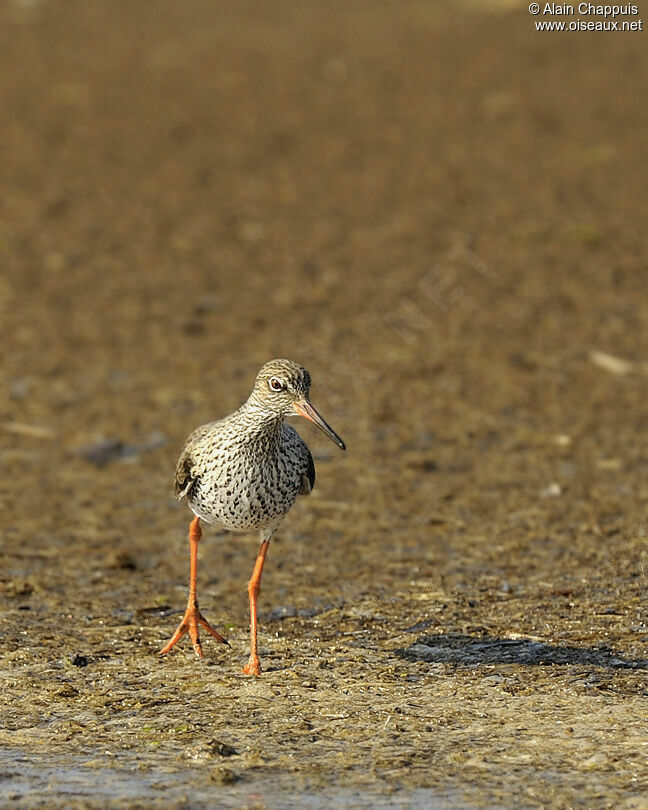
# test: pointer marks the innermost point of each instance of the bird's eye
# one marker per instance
(275, 384)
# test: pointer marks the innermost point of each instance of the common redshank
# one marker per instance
(244, 472)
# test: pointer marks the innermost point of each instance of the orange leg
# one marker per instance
(253, 666)
(193, 617)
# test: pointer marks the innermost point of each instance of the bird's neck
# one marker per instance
(258, 419)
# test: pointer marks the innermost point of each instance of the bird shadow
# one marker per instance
(465, 650)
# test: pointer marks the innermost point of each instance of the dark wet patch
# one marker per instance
(106, 450)
(469, 651)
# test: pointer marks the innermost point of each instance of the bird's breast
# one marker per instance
(248, 485)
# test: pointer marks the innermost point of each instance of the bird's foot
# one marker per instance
(189, 624)
(253, 666)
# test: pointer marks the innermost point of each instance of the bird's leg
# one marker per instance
(193, 617)
(253, 666)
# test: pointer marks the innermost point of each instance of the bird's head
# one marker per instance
(282, 388)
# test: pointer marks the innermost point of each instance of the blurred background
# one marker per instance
(437, 209)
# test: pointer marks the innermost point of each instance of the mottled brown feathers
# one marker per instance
(184, 479)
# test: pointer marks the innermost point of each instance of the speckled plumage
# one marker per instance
(241, 477)
(245, 471)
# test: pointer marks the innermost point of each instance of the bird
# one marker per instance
(243, 473)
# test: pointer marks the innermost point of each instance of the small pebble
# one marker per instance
(221, 749)
(223, 776)
(552, 491)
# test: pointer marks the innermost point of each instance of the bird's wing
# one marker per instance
(185, 475)
(308, 477)
(187, 472)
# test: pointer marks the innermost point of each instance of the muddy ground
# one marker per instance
(442, 214)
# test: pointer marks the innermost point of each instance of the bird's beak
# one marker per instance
(305, 409)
